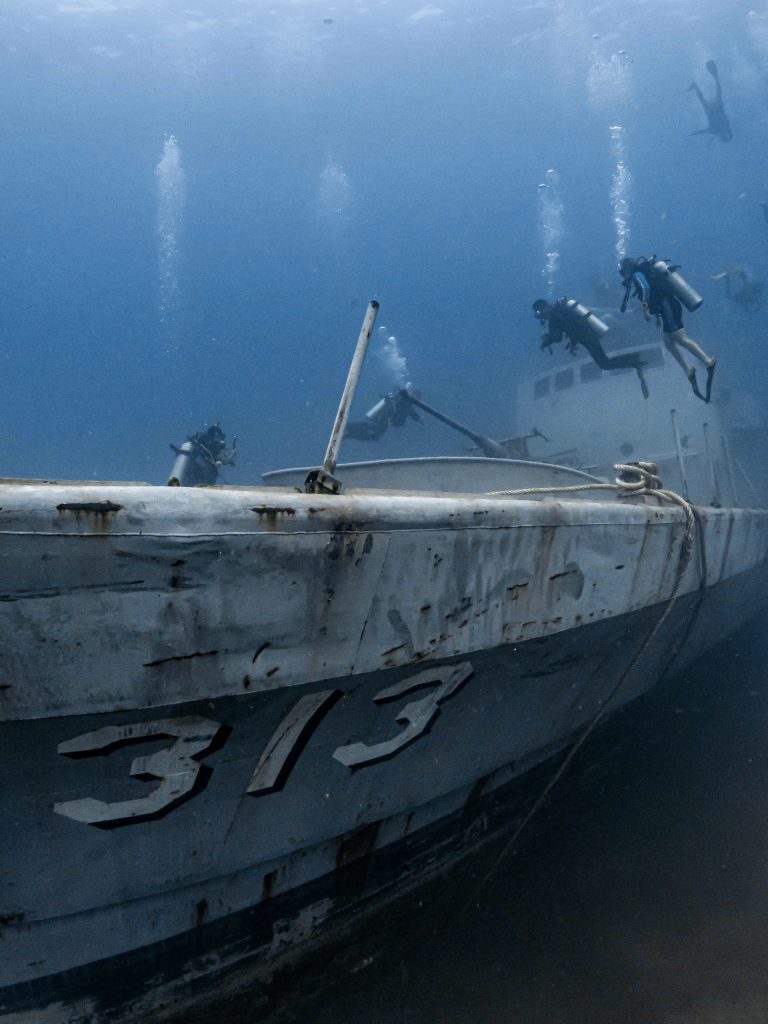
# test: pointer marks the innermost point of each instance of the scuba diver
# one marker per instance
(393, 410)
(663, 292)
(199, 458)
(717, 119)
(582, 327)
(749, 294)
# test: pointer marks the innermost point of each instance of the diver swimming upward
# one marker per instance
(660, 289)
(717, 119)
(569, 320)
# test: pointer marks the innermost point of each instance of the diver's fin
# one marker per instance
(711, 68)
(694, 383)
(710, 376)
(643, 382)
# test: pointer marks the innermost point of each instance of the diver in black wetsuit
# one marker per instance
(654, 282)
(392, 410)
(569, 318)
(199, 459)
(717, 119)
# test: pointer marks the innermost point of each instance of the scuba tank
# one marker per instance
(689, 297)
(594, 323)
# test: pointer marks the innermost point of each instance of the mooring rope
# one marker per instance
(645, 482)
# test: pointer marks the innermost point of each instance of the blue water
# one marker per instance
(325, 153)
(196, 204)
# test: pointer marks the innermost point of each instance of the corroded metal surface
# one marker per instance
(219, 708)
(224, 592)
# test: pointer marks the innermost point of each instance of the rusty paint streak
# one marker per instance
(180, 657)
(9, 920)
(273, 511)
(260, 650)
(112, 588)
(201, 912)
(100, 507)
(559, 575)
(357, 844)
(268, 884)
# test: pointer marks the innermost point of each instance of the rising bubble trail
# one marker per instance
(392, 358)
(334, 194)
(620, 189)
(171, 195)
(551, 211)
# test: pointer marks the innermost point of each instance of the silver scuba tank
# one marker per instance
(689, 297)
(595, 324)
(183, 472)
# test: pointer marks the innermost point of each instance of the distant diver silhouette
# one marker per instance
(717, 120)
(749, 294)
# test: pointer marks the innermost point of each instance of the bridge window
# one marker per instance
(590, 371)
(563, 380)
(541, 387)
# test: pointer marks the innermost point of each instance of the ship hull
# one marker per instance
(160, 850)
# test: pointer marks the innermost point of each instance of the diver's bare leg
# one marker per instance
(671, 344)
(681, 338)
(699, 94)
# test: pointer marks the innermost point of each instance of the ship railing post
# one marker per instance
(729, 469)
(680, 457)
(748, 482)
(711, 468)
(322, 481)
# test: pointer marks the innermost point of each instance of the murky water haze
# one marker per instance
(197, 204)
(639, 894)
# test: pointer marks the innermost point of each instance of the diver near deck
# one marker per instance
(749, 293)
(581, 327)
(393, 410)
(200, 458)
(662, 292)
(717, 120)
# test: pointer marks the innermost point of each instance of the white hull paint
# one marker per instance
(217, 705)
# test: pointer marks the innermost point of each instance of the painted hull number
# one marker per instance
(419, 714)
(181, 775)
(175, 766)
